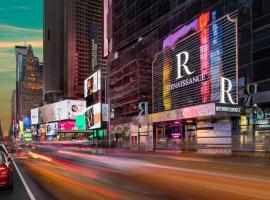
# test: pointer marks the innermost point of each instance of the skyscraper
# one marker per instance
(160, 30)
(13, 113)
(30, 85)
(72, 46)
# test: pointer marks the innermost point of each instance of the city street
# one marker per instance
(135, 100)
(77, 172)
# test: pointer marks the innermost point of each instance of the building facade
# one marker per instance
(171, 34)
(72, 46)
(30, 86)
(13, 123)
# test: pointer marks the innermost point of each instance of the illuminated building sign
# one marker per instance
(93, 116)
(200, 68)
(93, 46)
(67, 125)
(198, 111)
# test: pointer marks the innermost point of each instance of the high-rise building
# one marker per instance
(13, 113)
(72, 46)
(1, 130)
(159, 31)
(30, 85)
(21, 61)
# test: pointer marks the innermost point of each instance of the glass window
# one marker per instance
(261, 70)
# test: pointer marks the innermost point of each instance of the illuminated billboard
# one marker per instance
(105, 27)
(93, 116)
(34, 116)
(67, 125)
(92, 84)
(52, 128)
(68, 109)
(46, 113)
(196, 64)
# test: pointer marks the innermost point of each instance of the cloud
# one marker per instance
(15, 8)
(9, 44)
(5, 27)
(6, 55)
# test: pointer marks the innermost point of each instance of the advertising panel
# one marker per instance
(92, 84)
(200, 68)
(75, 107)
(105, 112)
(80, 122)
(52, 128)
(68, 109)
(60, 110)
(46, 113)
(105, 28)
(93, 116)
(94, 28)
(27, 123)
(34, 116)
(68, 125)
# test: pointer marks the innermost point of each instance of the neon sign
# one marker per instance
(200, 68)
(204, 55)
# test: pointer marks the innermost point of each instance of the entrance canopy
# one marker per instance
(199, 111)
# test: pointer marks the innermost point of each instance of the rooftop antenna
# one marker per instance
(25, 40)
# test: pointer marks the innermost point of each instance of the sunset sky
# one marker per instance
(17, 19)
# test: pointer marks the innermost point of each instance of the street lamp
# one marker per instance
(59, 118)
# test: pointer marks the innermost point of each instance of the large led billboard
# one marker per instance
(52, 128)
(92, 84)
(93, 116)
(68, 109)
(46, 113)
(35, 116)
(67, 125)
(196, 63)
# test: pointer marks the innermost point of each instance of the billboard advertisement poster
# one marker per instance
(93, 116)
(80, 122)
(68, 109)
(34, 116)
(75, 107)
(52, 128)
(92, 84)
(46, 113)
(195, 70)
(68, 125)
(34, 129)
(27, 123)
(60, 110)
(105, 112)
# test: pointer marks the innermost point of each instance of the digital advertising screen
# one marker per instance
(92, 84)
(69, 109)
(35, 116)
(93, 116)
(194, 61)
(52, 128)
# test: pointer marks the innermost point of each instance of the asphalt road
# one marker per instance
(19, 191)
(61, 172)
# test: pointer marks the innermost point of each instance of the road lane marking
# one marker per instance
(29, 192)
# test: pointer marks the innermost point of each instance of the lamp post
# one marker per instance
(59, 118)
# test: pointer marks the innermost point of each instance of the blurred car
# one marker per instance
(6, 172)
(15, 149)
(4, 149)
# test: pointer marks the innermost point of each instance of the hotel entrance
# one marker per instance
(176, 135)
